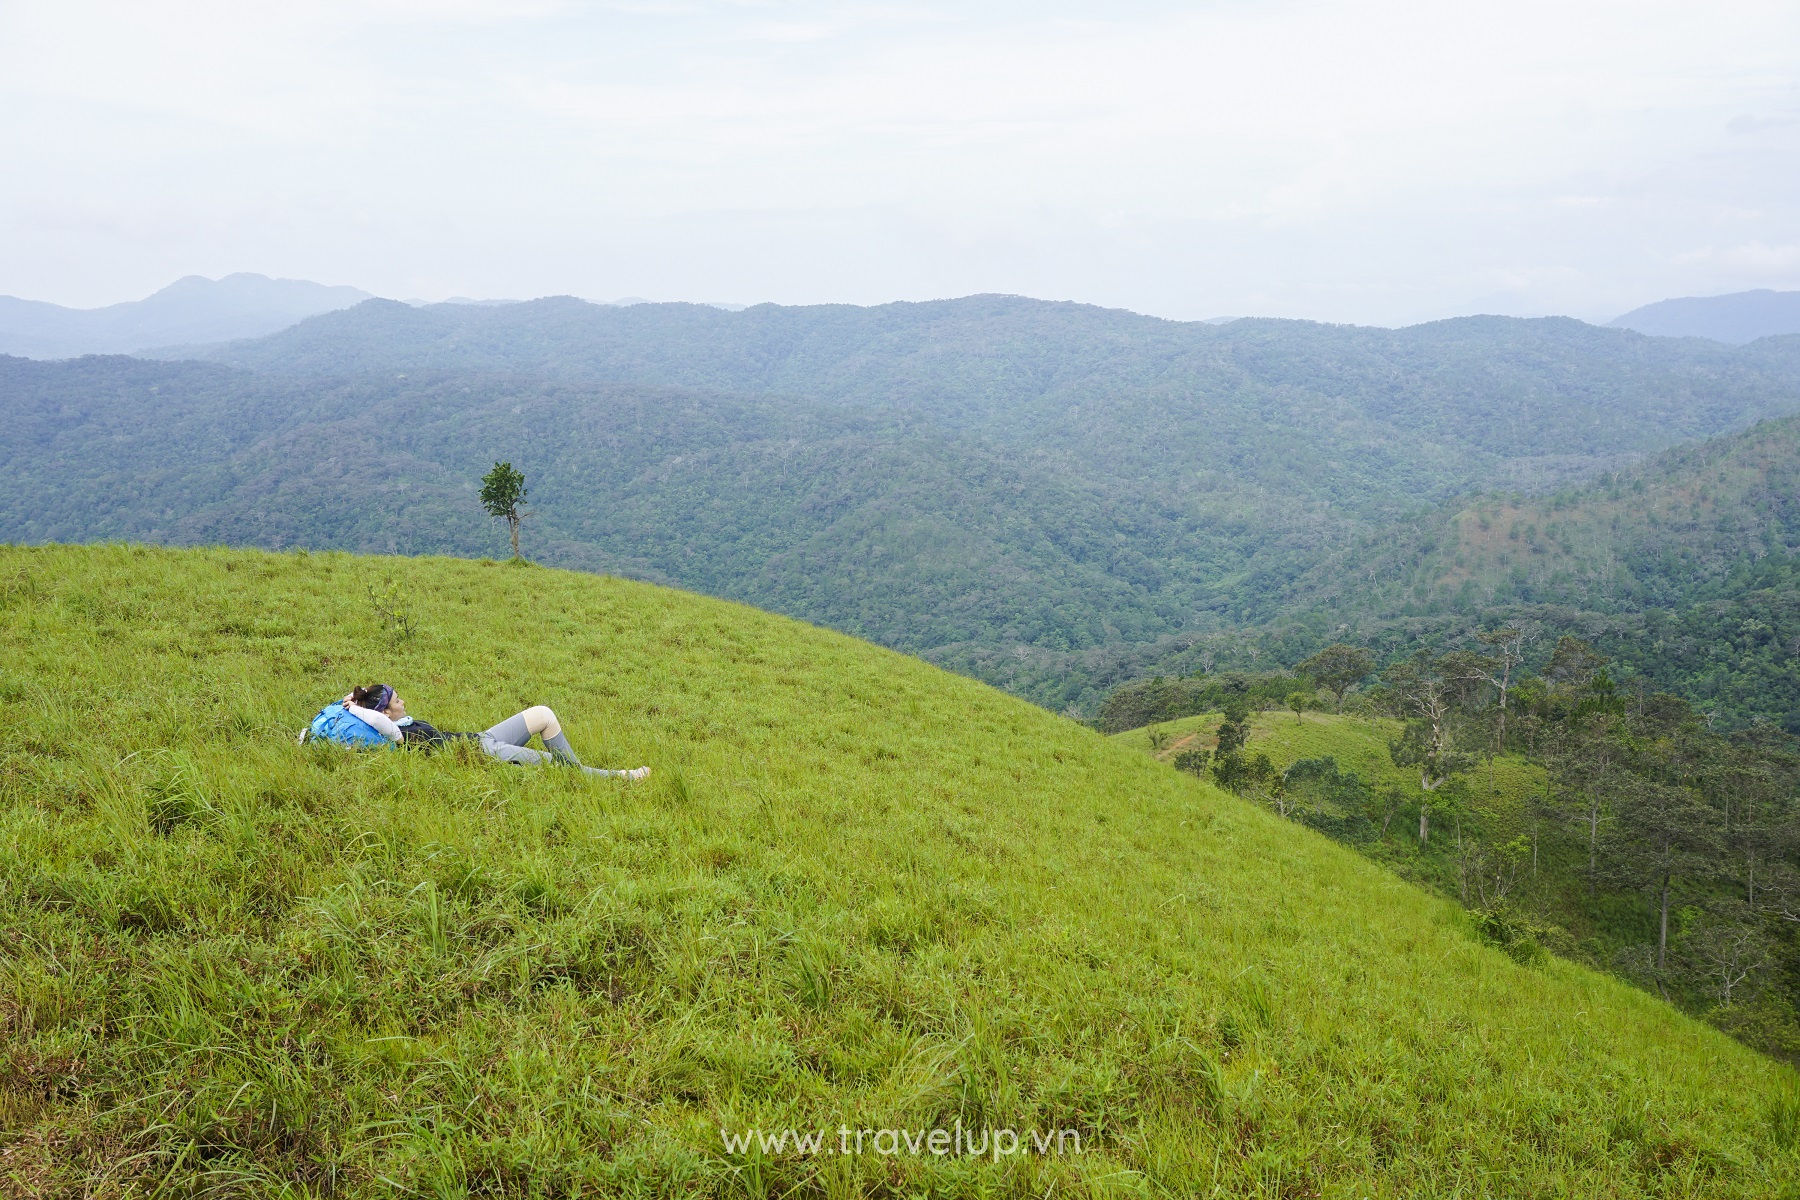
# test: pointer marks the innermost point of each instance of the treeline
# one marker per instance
(1335, 670)
(1657, 847)
(1149, 701)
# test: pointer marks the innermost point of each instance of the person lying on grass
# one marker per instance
(378, 710)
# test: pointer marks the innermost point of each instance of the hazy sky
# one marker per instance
(1379, 162)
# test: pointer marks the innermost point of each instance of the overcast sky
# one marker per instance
(1380, 162)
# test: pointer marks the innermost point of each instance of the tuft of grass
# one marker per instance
(1784, 1122)
(857, 892)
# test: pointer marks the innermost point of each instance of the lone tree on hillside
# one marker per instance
(503, 495)
(1335, 668)
(1424, 695)
(1508, 643)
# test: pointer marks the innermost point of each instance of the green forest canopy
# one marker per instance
(1050, 496)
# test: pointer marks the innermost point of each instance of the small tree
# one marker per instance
(388, 600)
(1425, 697)
(1584, 765)
(1193, 761)
(1508, 644)
(1228, 764)
(1298, 700)
(1233, 730)
(1335, 668)
(503, 495)
(1238, 772)
(1573, 663)
(1727, 954)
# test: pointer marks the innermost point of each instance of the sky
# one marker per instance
(1380, 163)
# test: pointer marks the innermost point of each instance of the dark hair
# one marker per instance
(376, 696)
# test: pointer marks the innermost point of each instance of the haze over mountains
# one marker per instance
(190, 316)
(190, 310)
(1738, 318)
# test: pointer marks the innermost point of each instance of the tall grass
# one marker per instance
(857, 892)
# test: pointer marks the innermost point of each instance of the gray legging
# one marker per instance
(507, 742)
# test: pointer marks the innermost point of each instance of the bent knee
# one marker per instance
(540, 719)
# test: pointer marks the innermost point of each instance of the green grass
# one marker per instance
(1500, 787)
(1358, 744)
(1500, 790)
(1548, 890)
(858, 891)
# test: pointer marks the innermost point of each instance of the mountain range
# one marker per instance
(1737, 318)
(1044, 495)
(189, 310)
(194, 313)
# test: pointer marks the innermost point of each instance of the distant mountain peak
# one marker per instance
(1735, 318)
(192, 310)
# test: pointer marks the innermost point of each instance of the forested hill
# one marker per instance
(1684, 569)
(1013, 488)
(1423, 411)
(1671, 531)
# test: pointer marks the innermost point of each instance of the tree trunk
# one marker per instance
(1594, 848)
(513, 527)
(1424, 824)
(1662, 942)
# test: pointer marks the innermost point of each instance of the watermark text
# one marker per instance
(958, 1140)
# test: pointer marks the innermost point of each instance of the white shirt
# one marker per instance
(380, 722)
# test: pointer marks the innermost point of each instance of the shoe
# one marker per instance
(637, 773)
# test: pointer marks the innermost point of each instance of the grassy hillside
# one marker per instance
(1507, 844)
(857, 892)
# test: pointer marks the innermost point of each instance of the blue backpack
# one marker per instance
(335, 723)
